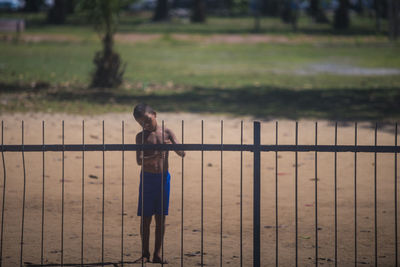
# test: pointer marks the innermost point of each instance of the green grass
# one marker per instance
(194, 64)
(48, 62)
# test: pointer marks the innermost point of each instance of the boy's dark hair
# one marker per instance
(141, 109)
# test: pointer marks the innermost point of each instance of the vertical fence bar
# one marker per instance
(222, 183)
(256, 195)
(103, 200)
(296, 194)
(43, 182)
(202, 195)
(83, 191)
(355, 196)
(4, 193)
(23, 199)
(142, 197)
(276, 199)
(375, 199)
(241, 195)
(395, 198)
(62, 198)
(122, 193)
(335, 181)
(182, 194)
(162, 197)
(316, 196)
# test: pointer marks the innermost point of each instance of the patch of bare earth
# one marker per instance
(37, 38)
(266, 38)
(232, 38)
(132, 38)
(136, 37)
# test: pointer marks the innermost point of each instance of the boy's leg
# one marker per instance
(145, 236)
(160, 231)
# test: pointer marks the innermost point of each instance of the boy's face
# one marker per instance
(148, 121)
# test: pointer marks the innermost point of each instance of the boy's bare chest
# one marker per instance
(155, 138)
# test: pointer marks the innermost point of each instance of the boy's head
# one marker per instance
(145, 116)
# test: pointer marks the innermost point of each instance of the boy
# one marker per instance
(156, 176)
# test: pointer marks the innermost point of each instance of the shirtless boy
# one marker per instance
(156, 177)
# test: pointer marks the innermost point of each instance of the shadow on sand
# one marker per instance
(261, 102)
(264, 102)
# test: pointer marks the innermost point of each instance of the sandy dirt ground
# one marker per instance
(70, 233)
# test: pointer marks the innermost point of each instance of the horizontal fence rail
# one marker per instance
(256, 148)
(200, 147)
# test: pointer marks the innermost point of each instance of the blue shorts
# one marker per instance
(152, 203)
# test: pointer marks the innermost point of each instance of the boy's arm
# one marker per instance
(174, 140)
(138, 152)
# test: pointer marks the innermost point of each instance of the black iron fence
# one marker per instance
(256, 149)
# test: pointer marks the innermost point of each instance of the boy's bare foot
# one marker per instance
(144, 258)
(157, 259)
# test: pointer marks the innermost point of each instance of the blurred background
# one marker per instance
(317, 59)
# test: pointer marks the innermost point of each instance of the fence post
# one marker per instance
(256, 196)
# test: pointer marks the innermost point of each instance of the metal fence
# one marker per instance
(256, 149)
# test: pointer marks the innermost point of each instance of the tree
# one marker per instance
(33, 5)
(58, 12)
(161, 13)
(104, 16)
(255, 9)
(342, 19)
(317, 12)
(394, 20)
(199, 11)
(271, 7)
(71, 5)
(377, 15)
(381, 11)
(290, 13)
(359, 7)
(239, 7)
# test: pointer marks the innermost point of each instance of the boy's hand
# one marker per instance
(181, 153)
(172, 140)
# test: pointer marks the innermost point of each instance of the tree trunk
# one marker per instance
(317, 13)
(71, 4)
(393, 16)
(109, 68)
(255, 6)
(342, 19)
(396, 19)
(360, 7)
(199, 11)
(390, 19)
(377, 16)
(290, 13)
(162, 11)
(271, 7)
(314, 7)
(228, 4)
(33, 5)
(257, 26)
(58, 13)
